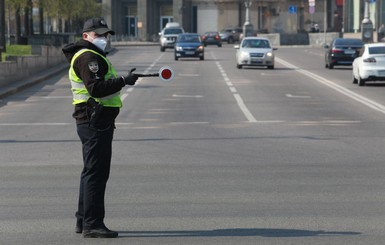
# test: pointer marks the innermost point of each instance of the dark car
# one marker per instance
(211, 37)
(189, 45)
(230, 35)
(342, 52)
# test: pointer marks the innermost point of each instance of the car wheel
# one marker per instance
(175, 57)
(239, 66)
(354, 80)
(361, 82)
(230, 40)
(162, 49)
(219, 45)
(202, 58)
(330, 66)
(270, 67)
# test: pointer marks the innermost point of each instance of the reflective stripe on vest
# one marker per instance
(79, 91)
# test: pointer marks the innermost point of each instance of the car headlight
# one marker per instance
(269, 54)
(244, 55)
(179, 48)
(200, 48)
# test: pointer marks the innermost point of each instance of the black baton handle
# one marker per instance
(144, 75)
(147, 75)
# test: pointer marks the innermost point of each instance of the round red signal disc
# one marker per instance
(166, 73)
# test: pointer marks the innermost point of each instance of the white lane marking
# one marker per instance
(133, 125)
(38, 98)
(244, 108)
(189, 75)
(274, 74)
(327, 122)
(368, 102)
(233, 90)
(186, 96)
(188, 123)
(298, 96)
(53, 97)
(35, 124)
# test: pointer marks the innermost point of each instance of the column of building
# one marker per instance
(107, 14)
(142, 19)
(178, 11)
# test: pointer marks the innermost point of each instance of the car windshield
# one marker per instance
(377, 50)
(189, 39)
(348, 42)
(172, 31)
(256, 43)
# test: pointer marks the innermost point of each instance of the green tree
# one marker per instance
(69, 14)
(64, 16)
(15, 6)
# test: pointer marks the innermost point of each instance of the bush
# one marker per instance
(17, 50)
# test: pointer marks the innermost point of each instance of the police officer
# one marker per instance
(96, 97)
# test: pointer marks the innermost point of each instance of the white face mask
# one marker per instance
(100, 42)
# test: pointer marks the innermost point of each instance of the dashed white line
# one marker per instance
(186, 96)
(298, 96)
(233, 90)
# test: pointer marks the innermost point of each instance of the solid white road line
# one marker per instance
(368, 102)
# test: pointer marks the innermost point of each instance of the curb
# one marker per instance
(32, 80)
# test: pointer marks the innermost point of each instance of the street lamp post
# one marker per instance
(325, 20)
(248, 29)
(367, 25)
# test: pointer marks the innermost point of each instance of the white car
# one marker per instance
(370, 64)
(255, 51)
(168, 35)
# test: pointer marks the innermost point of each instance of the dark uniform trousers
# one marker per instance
(97, 151)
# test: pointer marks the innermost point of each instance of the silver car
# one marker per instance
(230, 35)
(169, 35)
(255, 51)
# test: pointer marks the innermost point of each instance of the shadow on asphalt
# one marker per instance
(239, 232)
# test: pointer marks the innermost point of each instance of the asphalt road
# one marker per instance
(219, 155)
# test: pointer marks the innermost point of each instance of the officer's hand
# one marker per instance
(131, 78)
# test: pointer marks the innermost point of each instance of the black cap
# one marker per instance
(98, 25)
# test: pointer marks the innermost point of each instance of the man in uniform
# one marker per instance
(96, 98)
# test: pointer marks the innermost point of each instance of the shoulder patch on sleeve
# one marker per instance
(93, 66)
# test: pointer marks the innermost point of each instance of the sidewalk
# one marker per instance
(17, 86)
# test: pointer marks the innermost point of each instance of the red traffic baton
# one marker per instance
(165, 74)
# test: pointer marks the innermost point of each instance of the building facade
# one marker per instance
(143, 19)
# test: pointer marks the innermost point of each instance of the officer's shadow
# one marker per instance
(236, 232)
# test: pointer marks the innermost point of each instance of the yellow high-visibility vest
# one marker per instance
(79, 91)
